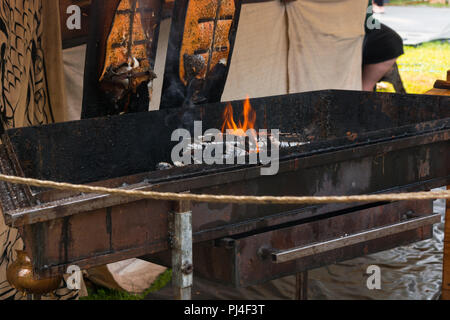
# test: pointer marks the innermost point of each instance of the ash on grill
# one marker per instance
(236, 148)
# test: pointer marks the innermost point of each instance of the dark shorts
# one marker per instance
(381, 45)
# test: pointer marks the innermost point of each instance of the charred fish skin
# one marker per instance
(128, 70)
(200, 49)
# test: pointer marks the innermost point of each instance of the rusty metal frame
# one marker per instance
(280, 256)
(67, 228)
(44, 220)
(244, 260)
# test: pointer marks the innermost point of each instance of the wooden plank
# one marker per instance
(439, 92)
(441, 87)
(441, 84)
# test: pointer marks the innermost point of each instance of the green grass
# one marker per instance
(110, 294)
(415, 3)
(422, 65)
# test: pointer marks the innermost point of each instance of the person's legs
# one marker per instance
(382, 47)
(372, 73)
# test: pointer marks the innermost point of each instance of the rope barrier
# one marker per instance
(171, 196)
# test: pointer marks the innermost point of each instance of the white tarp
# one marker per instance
(417, 24)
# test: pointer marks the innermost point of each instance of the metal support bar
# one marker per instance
(446, 261)
(182, 261)
(279, 256)
(301, 286)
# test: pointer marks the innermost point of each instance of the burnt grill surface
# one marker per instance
(110, 147)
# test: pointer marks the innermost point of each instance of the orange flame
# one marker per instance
(249, 117)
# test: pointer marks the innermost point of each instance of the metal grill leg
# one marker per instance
(446, 261)
(182, 264)
(301, 286)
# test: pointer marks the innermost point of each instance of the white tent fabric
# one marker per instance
(417, 24)
(73, 60)
(304, 45)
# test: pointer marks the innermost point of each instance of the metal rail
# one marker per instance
(280, 256)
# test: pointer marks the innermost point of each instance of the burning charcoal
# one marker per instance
(290, 140)
(178, 164)
(287, 144)
(163, 166)
(235, 152)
